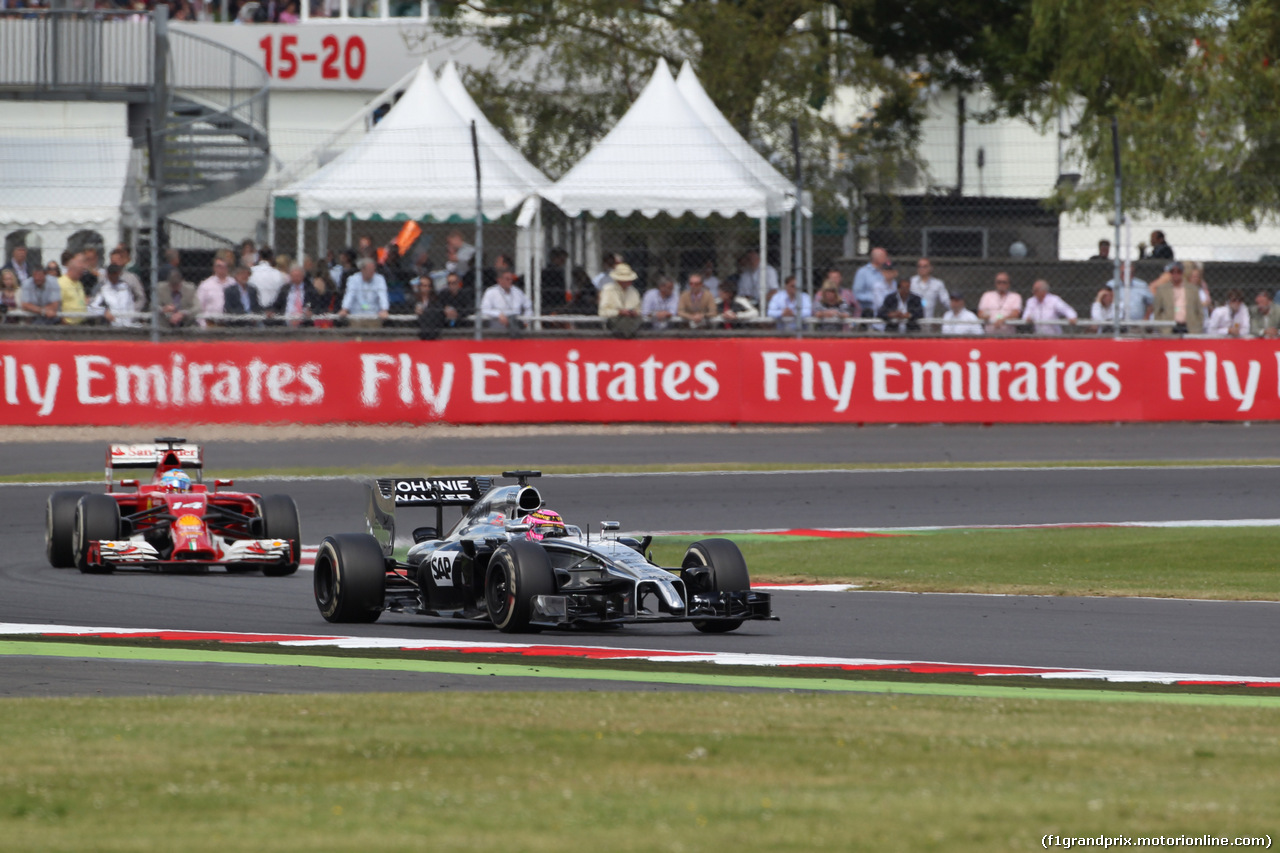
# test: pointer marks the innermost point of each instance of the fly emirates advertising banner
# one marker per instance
(775, 380)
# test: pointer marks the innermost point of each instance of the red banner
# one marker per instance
(747, 380)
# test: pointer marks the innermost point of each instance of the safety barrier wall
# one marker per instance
(777, 380)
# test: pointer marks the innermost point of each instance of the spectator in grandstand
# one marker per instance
(1103, 310)
(997, 307)
(697, 306)
(902, 309)
(1195, 276)
(790, 306)
(366, 298)
(555, 282)
(620, 303)
(120, 257)
(326, 301)
(959, 320)
(1179, 301)
(710, 280)
(732, 309)
(502, 263)
(266, 277)
(459, 254)
(835, 278)
(241, 297)
(1264, 316)
(93, 272)
(296, 300)
(1104, 251)
(932, 291)
(749, 276)
(1160, 249)
(830, 309)
(457, 303)
(169, 261)
(610, 260)
(1139, 301)
(178, 303)
(113, 300)
(41, 296)
(345, 269)
(660, 303)
(868, 283)
(10, 293)
(53, 270)
(71, 284)
(1044, 310)
(584, 298)
(18, 263)
(505, 306)
(1230, 320)
(211, 294)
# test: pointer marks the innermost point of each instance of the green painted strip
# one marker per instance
(709, 679)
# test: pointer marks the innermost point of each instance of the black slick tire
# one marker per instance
(350, 578)
(517, 572)
(97, 517)
(59, 527)
(280, 521)
(718, 566)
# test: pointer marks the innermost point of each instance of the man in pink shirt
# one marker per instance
(209, 295)
(997, 307)
(1045, 309)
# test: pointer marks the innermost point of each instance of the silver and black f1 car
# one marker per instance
(510, 562)
(170, 521)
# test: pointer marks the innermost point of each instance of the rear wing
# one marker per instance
(170, 454)
(433, 491)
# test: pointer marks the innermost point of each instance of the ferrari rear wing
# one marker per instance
(169, 452)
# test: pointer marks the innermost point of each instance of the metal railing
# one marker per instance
(77, 54)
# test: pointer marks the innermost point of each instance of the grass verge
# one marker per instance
(657, 467)
(624, 772)
(1220, 563)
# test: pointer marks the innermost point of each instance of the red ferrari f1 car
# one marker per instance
(172, 521)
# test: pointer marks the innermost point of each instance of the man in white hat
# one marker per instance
(619, 300)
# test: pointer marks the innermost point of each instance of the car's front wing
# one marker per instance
(622, 607)
(126, 553)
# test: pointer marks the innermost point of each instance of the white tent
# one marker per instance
(418, 162)
(661, 157)
(56, 186)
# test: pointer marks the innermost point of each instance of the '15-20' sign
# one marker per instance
(337, 60)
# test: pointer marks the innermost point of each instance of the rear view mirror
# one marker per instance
(423, 534)
(217, 484)
(129, 484)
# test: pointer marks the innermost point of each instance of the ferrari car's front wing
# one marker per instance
(116, 553)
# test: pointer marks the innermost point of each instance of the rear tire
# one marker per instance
(280, 521)
(97, 517)
(517, 572)
(60, 527)
(718, 566)
(350, 578)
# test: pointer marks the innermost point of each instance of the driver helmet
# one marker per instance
(545, 522)
(176, 481)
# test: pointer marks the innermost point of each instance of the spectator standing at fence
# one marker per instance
(835, 278)
(1140, 299)
(619, 301)
(1264, 316)
(1160, 249)
(264, 276)
(997, 307)
(71, 284)
(902, 309)
(1179, 301)
(178, 303)
(607, 264)
(1045, 310)
(120, 257)
(366, 298)
(169, 261)
(868, 282)
(1195, 275)
(959, 320)
(1103, 310)
(659, 304)
(114, 300)
(296, 299)
(731, 309)
(211, 294)
(1230, 320)
(505, 306)
(10, 293)
(457, 303)
(18, 263)
(789, 306)
(42, 297)
(459, 254)
(1104, 251)
(697, 306)
(241, 297)
(830, 309)
(749, 276)
(555, 282)
(932, 291)
(710, 280)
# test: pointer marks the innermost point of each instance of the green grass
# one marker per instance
(453, 470)
(625, 772)
(1222, 563)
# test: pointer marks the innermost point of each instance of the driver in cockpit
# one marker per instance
(544, 523)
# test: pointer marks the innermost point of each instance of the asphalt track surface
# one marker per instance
(1219, 638)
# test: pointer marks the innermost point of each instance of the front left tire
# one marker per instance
(280, 521)
(97, 518)
(518, 571)
(60, 527)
